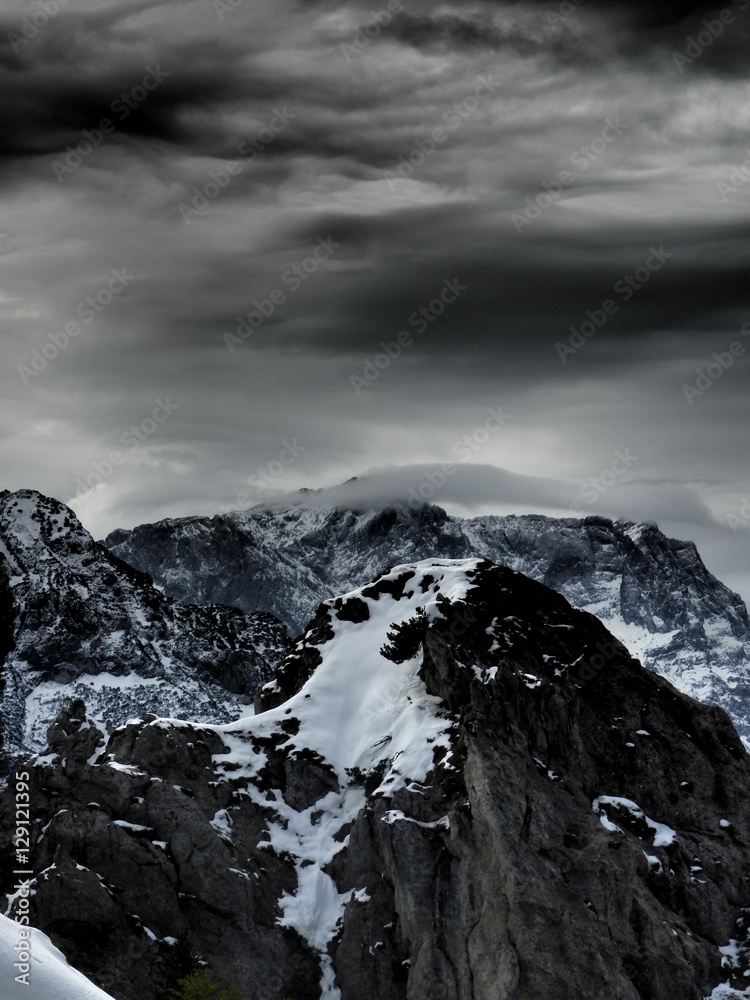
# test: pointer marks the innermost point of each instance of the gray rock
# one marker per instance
(646, 587)
(503, 874)
(76, 622)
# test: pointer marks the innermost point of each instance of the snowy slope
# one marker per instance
(86, 625)
(49, 976)
(359, 712)
(652, 592)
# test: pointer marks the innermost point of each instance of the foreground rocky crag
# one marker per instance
(654, 593)
(76, 621)
(460, 789)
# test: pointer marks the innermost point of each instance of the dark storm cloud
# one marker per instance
(46, 108)
(523, 295)
(701, 39)
(438, 32)
(40, 119)
(676, 14)
(446, 30)
(82, 67)
(355, 163)
(643, 12)
(640, 29)
(47, 102)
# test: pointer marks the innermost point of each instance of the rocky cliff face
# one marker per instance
(461, 789)
(77, 622)
(652, 592)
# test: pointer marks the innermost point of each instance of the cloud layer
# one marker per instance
(233, 211)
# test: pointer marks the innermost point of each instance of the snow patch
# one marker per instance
(359, 713)
(395, 816)
(49, 976)
(222, 823)
(663, 835)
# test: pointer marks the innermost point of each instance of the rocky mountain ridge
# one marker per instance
(654, 593)
(75, 621)
(461, 789)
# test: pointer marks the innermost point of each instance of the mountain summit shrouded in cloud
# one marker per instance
(284, 190)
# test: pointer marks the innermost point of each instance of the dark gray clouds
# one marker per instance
(552, 152)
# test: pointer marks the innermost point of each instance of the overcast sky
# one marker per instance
(326, 170)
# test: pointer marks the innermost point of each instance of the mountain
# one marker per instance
(654, 593)
(75, 621)
(461, 788)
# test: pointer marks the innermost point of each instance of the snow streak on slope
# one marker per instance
(49, 976)
(359, 712)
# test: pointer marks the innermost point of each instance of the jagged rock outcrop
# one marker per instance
(75, 621)
(654, 593)
(466, 789)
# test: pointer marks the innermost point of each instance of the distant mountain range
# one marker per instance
(652, 592)
(455, 783)
(76, 622)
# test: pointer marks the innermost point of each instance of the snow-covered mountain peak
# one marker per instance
(366, 688)
(76, 621)
(36, 528)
